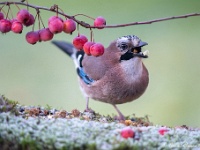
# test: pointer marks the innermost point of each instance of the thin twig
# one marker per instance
(153, 21)
(86, 25)
(84, 16)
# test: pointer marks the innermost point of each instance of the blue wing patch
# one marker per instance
(84, 76)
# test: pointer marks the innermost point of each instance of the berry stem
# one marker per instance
(27, 4)
(78, 29)
(91, 35)
(2, 7)
(34, 22)
(17, 7)
(57, 10)
(8, 11)
(84, 16)
(41, 21)
(11, 13)
(3, 11)
(60, 10)
(38, 20)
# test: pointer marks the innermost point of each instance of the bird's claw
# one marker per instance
(89, 110)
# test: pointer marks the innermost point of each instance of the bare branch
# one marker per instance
(153, 21)
(86, 25)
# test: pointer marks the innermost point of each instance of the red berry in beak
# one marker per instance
(79, 41)
(99, 22)
(87, 46)
(55, 24)
(32, 37)
(69, 26)
(17, 27)
(45, 34)
(97, 49)
(5, 25)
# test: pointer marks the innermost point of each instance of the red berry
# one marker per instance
(52, 18)
(127, 133)
(23, 16)
(32, 37)
(13, 20)
(87, 46)
(30, 22)
(69, 26)
(79, 41)
(1, 15)
(97, 49)
(55, 24)
(17, 27)
(99, 22)
(5, 25)
(45, 34)
(162, 131)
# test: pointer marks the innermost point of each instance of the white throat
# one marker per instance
(132, 68)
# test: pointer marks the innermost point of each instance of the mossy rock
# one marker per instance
(30, 128)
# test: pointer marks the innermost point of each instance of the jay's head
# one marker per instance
(130, 46)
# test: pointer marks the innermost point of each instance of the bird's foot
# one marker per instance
(89, 110)
(120, 118)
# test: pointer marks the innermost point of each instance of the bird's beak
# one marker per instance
(137, 51)
(141, 44)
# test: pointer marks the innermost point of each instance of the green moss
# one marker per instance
(7, 105)
(29, 144)
(30, 131)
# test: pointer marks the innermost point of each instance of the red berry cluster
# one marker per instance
(55, 25)
(16, 25)
(90, 48)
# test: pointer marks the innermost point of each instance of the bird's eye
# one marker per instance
(123, 46)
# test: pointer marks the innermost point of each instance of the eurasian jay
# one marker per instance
(116, 77)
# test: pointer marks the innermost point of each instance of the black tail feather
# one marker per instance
(64, 46)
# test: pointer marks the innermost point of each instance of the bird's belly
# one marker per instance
(115, 92)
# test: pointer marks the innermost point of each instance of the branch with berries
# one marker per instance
(57, 25)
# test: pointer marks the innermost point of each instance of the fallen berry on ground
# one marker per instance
(162, 131)
(127, 133)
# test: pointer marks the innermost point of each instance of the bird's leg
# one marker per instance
(121, 116)
(87, 103)
(87, 109)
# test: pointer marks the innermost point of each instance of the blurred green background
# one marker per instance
(41, 74)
